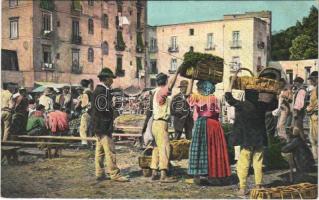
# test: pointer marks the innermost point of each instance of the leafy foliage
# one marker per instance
(191, 59)
(283, 41)
(303, 48)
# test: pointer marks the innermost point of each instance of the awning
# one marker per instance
(132, 91)
(40, 86)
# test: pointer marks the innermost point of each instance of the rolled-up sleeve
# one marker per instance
(300, 100)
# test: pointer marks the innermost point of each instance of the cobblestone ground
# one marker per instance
(73, 177)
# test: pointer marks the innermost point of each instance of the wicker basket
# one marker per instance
(144, 161)
(254, 83)
(298, 191)
(179, 149)
(205, 70)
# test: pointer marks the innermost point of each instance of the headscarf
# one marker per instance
(205, 87)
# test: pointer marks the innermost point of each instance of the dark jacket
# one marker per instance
(249, 129)
(102, 111)
(180, 109)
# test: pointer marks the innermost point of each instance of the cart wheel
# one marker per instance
(147, 172)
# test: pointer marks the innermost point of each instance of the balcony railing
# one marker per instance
(235, 44)
(76, 9)
(120, 72)
(234, 66)
(47, 34)
(173, 49)
(212, 47)
(47, 66)
(76, 69)
(153, 49)
(153, 71)
(172, 71)
(76, 39)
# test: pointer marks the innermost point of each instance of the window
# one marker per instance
(105, 48)
(236, 39)
(307, 72)
(105, 21)
(76, 5)
(138, 19)
(91, 2)
(173, 65)
(153, 67)
(259, 61)
(153, 45)
(119, 69)
(191, 31)
(13, 3)
(47, 4)
(46, 22)
(90, 55)
(75, 59)
(290, 75)
(46, 57)
(9, 60)
(14, 27)
(91, 26)
(75, 28)
(139, 66)
(174, 42)
(210, 41)
(235, 63)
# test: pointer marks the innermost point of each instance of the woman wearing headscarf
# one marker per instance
(208, 154)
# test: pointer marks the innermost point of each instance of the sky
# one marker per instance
(284, 13)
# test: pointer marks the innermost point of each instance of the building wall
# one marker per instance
(298, 67)
(23, 45)
(222, 30)
(61, 46)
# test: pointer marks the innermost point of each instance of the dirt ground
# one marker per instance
(72, 176)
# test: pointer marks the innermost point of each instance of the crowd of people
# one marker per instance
(195, 113)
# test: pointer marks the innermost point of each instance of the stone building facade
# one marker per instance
(66, 41)
(241, 41)
(294, 68)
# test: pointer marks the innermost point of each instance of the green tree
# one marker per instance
(303, 47)
(282, 42)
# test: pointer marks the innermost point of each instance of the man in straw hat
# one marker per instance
(312, 110)
(181, 111)
(102, 123)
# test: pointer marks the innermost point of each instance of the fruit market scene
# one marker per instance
(159, 99)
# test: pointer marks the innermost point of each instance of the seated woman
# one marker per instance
(36, 122)
(57, 121)
(208, 154)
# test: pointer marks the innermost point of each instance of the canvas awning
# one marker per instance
(132, 91)
(40, 86)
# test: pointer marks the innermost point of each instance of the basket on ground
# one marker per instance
(298, 191)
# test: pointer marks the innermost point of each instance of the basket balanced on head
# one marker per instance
(201, 66)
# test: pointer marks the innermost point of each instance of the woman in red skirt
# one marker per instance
(208, 154)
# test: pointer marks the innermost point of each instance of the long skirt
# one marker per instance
(208, 154)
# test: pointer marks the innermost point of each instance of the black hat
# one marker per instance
(161, 78)
(313, 75)
(299, 80)
(106, 72)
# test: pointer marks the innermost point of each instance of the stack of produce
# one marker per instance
(253, 83)
(201, 66)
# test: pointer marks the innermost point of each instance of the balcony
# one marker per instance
(76, 39)
(76, 69)
(153, 49)
(47, 67)
(211, 48)
(120, 72)
(47, 34)
(234, 67)
(76, 8)
(235, 44)
(172, 71)
(173, 49)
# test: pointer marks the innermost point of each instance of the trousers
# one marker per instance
(105, 156)
(161, 152)
(247, 155)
